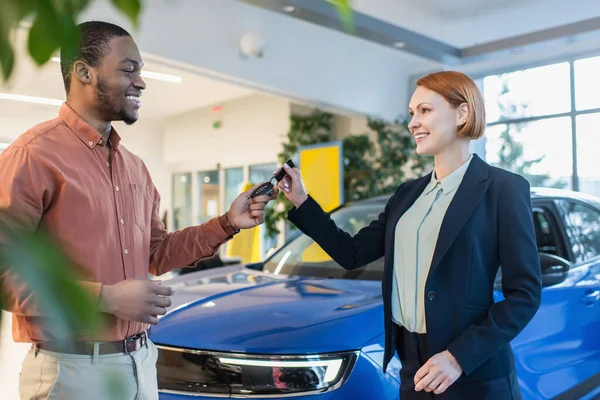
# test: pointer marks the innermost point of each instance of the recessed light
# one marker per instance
(289, 9)
(399, 45)
(147, 74)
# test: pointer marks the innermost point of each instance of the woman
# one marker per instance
(444, 236)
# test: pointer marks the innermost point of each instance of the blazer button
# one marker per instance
(431, 295)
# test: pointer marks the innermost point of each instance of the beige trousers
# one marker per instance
(49, 375)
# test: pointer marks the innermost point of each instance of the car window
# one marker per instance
(303, 257)
(582, 223)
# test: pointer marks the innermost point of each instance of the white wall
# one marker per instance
(301, 61)
(145, 139)
(253, 128)
(16, 118)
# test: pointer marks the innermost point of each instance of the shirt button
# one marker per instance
(122, 221)
(117, 188)
(107, 164)
(126, 251)
(91, 143)
(100, 141)
(431, 295)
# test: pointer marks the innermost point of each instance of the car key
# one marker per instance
(267, 187)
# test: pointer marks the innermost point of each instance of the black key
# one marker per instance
(267, 187)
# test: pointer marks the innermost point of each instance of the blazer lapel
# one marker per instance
(468, 195)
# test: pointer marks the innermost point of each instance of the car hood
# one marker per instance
(240, 310)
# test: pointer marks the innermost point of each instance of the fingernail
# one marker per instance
(287, 189)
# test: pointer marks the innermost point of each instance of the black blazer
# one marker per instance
(488, 224)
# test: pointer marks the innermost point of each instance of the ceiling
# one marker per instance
(461, 32)
(160, 99)
(465, 23)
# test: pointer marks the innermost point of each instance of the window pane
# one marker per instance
(532, 92)
(182, 200)
(540, 151)
(262, 173)
(587, 84)
(583, 228)
(233, 184)
(208, 188)
(588, 165)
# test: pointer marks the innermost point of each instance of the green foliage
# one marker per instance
(346, 14)
(397, 160)
(304, 130)
(370, 168)
(53, 25)
(38, 261)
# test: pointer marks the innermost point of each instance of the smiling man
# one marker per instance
(73, 178)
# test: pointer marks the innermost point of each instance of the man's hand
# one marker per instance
(139, 300)
(441, 371)
(246, 212)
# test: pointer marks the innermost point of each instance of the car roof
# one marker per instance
(536, 193)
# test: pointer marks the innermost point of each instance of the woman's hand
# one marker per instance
(437, 374)
(292, 186)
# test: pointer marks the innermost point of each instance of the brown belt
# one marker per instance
(126, 346)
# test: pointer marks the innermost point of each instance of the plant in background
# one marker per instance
(304, 130)
(397, 159)
(370, 169)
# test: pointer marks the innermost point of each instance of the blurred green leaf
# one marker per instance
(344, 9)
(45, 34)
(131, 8)
(53, 26)
(7, 58)
(38, 261)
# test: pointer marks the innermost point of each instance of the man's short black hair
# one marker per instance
(94, 39)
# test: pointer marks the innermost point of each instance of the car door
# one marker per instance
(558, 353)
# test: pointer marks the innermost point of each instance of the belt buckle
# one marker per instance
(132, 340)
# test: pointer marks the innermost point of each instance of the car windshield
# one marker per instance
(303, 257)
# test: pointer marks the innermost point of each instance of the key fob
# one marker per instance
(267, 187)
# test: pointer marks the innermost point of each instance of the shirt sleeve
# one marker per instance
(171, 250)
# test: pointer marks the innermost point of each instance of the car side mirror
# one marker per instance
(554, 269)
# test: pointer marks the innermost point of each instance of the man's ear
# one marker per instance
(82, 72)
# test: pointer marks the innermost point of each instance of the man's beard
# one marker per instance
(108, 105)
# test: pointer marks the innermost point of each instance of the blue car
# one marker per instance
(299, 325)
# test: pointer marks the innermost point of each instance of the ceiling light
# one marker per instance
(31, 99)
(289, 9)
(147, 74)
(399, 45)
(161, 77)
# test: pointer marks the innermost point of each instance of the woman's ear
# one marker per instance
(462, 115)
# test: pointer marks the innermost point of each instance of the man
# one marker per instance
(72, 177)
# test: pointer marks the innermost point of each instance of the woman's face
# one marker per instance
(434, 122)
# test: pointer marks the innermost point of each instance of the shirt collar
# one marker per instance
(451, 182)
(84, 131)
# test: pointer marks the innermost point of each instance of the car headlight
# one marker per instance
(214, 373)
